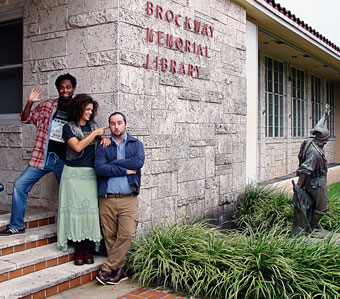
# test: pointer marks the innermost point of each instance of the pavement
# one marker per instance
(127, 289)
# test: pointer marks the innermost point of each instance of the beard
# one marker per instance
(65, 100)
(118, 135)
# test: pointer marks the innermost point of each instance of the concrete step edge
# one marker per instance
(30, 216)
(47, 278)
(32, 234)
(50, 254)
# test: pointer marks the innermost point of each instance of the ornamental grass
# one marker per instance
(258, 260)
(261, 208)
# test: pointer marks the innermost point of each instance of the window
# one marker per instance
(316, 100)
(274, 97)
(330, 102)
(298, 102)
(11, 37)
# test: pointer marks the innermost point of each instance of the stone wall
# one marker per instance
(192, 120)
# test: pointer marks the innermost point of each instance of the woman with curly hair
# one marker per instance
(78, 213)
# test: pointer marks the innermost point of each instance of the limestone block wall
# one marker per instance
(188, 106)
(193, 125)
(60, 36)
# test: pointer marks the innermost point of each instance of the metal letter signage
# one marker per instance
(170, 41)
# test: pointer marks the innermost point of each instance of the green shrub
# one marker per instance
(262, 208)
(204, 262)
(331, 220)
(259, 260)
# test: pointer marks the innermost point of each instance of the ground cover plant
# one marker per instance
(260, 259)
(263, 207)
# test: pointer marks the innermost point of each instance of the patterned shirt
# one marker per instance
(41, 117)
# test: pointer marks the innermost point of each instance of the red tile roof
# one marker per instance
(301, 23)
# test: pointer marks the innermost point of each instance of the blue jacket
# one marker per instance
(107, 165)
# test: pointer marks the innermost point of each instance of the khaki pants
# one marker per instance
(119, 221)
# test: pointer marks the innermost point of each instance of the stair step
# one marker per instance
(33, 218)
(50, 281)
(36, 259)
(32, 238)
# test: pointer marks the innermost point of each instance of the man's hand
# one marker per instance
(129, 171)
(105, 142)
(35, 94)
(32, 98)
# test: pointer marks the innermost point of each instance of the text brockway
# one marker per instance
(168, 40)
(171, 17)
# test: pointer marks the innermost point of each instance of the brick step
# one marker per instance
(32, 260)
(50, 281)
(32, 238)
(33, 218)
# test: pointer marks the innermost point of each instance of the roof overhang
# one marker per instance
(278, 35)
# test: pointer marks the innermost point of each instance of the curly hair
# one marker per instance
(66, 77)
(77, 107)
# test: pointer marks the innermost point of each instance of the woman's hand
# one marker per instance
(100, 131)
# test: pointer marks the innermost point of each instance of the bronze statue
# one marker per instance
(310, 198)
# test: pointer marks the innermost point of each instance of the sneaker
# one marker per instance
(103, 276)
(12, 231)
(116, 277)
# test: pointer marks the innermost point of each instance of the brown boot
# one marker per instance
(88, 257)
(79, 254)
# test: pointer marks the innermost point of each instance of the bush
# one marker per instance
(262, 208)
(331, 220)
(204, 262)
(259, 260)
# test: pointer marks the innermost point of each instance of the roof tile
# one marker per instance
(301, 23)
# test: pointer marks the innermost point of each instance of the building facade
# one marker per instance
(297, 72)
(214, 102)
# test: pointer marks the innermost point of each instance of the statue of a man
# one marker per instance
(310, 193)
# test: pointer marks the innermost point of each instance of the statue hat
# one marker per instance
(320, 131)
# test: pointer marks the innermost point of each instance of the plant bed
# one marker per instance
(260, 259)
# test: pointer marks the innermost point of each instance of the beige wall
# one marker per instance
(193, 129)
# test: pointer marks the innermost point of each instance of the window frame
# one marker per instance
(330, 97)
(316, 99)
(12, 118)
(299, 101)
(274, 98)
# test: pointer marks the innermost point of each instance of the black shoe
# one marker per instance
(103, 276)
(12, 231)
(118, 276)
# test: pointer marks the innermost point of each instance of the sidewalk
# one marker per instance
(124, 290)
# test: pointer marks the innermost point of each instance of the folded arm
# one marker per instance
(121, 167)
(103, 167)
(136, 162)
